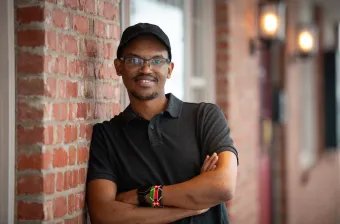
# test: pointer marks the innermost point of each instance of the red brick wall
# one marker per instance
(237, 87)
(66, 82)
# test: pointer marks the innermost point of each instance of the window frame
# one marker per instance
(124, 23)
(209, 73)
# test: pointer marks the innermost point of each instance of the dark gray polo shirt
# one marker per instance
(168, 149)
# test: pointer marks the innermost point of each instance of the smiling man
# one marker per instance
(161, 160)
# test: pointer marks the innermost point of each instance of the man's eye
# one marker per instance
(156, 61)
(136, 60)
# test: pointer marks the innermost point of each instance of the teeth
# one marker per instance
(145, 81)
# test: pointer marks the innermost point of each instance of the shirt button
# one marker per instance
(152, 127)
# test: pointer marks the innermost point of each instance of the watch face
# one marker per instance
(143, 190)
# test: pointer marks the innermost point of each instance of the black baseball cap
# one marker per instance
(142, 29)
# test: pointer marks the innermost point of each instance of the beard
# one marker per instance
(151, 96)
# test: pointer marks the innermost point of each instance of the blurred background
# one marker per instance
(272, 66)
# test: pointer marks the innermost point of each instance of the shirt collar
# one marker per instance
(174, 109)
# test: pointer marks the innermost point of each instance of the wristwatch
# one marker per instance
(141, 194)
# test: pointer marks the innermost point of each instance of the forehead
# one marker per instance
(146, 45)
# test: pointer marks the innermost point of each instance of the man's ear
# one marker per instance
(118, 64)
(170, 69)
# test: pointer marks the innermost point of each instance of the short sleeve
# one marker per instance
(100, 165)
(216, 132)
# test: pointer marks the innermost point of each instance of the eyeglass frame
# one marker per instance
(167, 61)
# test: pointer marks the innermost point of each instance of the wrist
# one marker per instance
(150, 196)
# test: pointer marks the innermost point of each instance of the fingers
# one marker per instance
(204, 167)
(209, 163)
(213, 162)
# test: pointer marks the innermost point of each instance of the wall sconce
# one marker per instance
(271, 26)
(307, 40)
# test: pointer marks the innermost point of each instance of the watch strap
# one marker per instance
(142, 192)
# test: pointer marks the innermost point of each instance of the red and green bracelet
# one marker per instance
(156, 196)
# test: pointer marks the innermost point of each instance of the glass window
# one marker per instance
(163, 12)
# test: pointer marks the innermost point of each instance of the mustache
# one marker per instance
(144, 76)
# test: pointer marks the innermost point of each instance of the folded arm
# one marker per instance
(206, 190)
(103, 208)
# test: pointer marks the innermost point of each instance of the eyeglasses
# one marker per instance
(134, 63)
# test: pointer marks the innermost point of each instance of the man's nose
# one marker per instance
(146, 67)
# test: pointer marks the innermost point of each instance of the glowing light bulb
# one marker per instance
(306, 41)
(270, 24)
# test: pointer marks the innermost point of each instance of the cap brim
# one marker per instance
(144, 33)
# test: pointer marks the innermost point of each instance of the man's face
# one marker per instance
(144, 82)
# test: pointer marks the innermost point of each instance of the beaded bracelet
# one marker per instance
(156, 196)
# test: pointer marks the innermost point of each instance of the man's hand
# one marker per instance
(209, 163)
